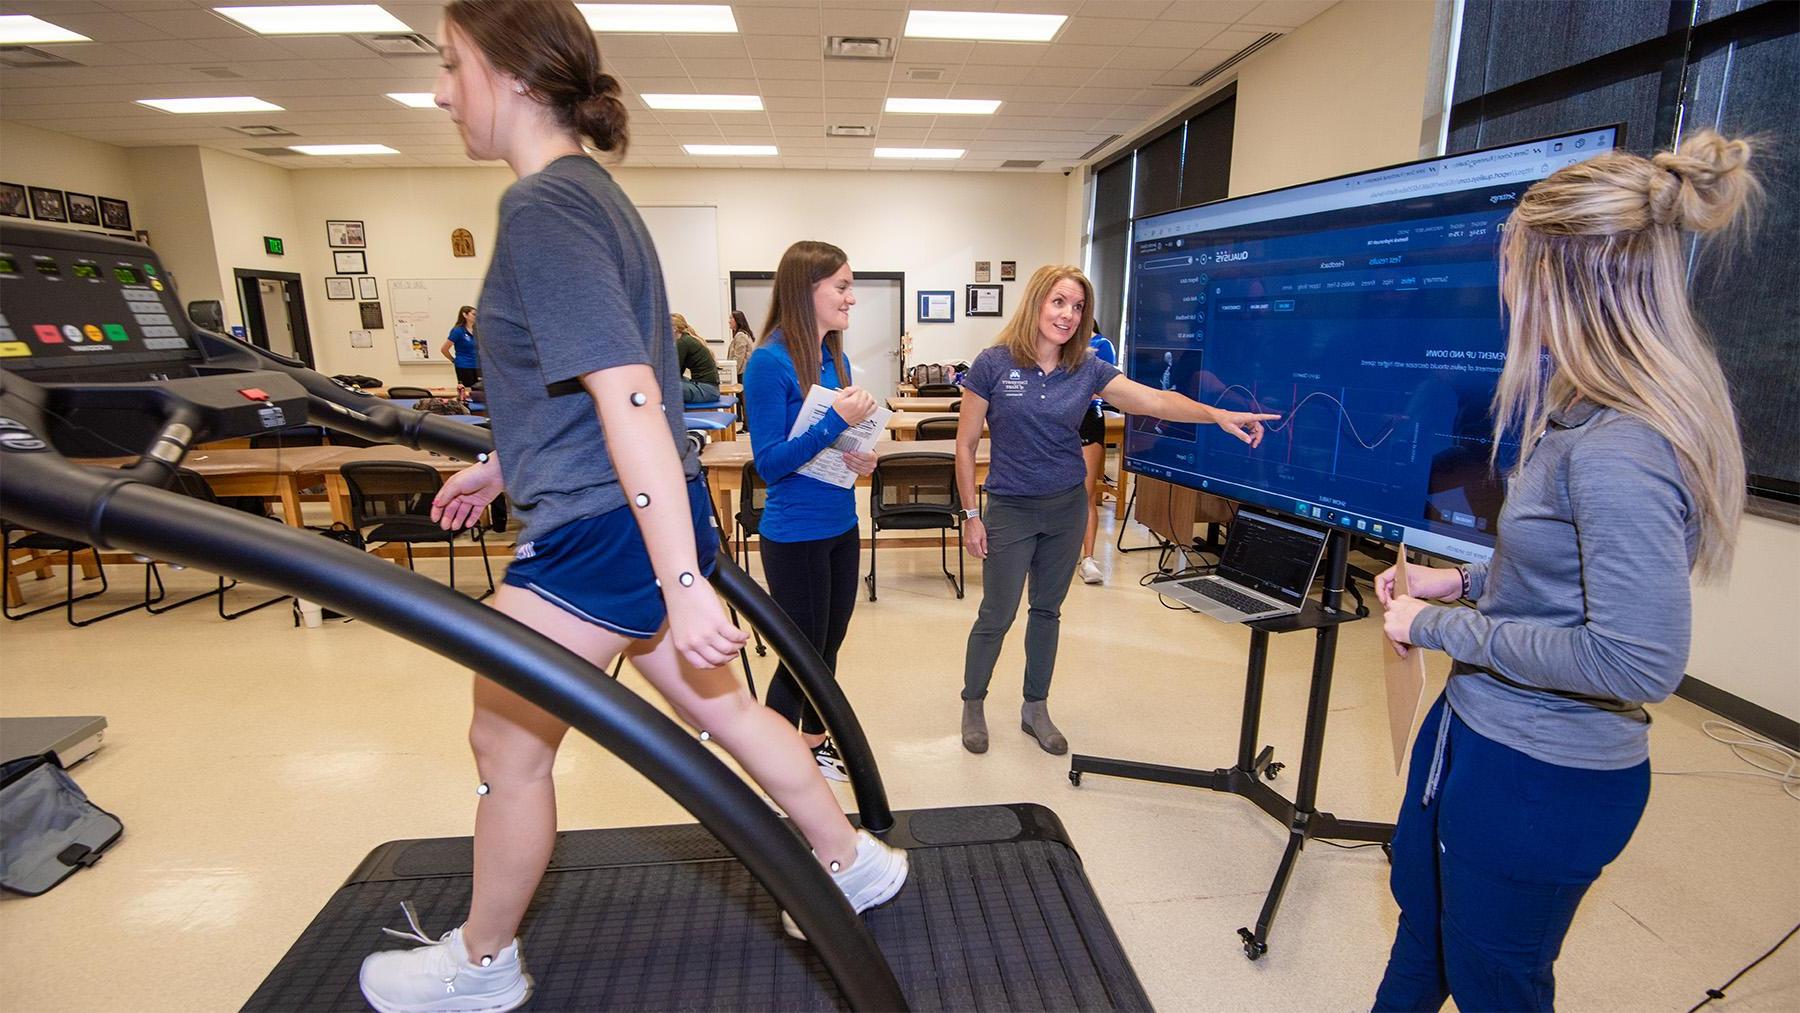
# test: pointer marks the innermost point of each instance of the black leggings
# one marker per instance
(815, 583)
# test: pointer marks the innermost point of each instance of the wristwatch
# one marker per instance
(972, 513)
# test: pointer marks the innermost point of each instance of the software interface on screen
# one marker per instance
(1363, 310)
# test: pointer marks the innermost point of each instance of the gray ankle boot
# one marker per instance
(974, 727)
(1034, 719)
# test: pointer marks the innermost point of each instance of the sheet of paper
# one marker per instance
(828, 465)
(1405, 679)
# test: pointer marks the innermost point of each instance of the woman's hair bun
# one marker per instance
(601, 116)
(1703, 184)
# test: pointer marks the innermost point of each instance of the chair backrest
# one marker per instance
(940, 390)
(937, 427)
(753, 498)
(922, 482)
(385, 490)
(190, 483)
(408, 392)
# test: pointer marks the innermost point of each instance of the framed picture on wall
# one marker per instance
(983, 301)
(47, 205)
(82, 208)
(340, 288)
(371, 315)
(115, 214)
(365, 287)
(13, 202)
(345, 234)
(350, 262)
(937, 307)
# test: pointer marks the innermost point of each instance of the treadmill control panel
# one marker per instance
(93, 304)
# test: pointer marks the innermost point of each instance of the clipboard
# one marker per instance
(1405, 678)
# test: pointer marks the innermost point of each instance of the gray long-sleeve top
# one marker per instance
(1587, 592)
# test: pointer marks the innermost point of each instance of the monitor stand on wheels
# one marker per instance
(1253, 766)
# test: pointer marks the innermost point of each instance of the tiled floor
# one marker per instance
(254, 764)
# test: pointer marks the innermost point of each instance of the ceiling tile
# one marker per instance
(1215, 11)
(789, 70)
(1101, 31)
(796, 20)
(785, 47)
(1288, 13)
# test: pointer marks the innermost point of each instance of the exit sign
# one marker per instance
(272, 245)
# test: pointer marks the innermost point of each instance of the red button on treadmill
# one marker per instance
(254, 393)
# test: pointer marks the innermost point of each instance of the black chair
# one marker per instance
(390, 501)
(937, 427)
(409, 392)
(190, 483)
(916, 492)
(939, 390)
(753, 497)
(42, 542)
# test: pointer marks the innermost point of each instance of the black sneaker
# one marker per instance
(830, 763)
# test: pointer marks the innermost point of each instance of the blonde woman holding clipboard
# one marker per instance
(811, 541)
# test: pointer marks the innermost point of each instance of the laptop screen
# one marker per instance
(1271, 555)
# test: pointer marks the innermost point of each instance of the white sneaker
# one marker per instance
(872, 880)
(830, 763)
(1090, 571)
(440, 976)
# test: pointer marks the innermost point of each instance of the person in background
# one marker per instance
(460, 349)
(699, 370)
(811, 542)
(1031, 388)
(743, 341)
(1093, 453)
(618, 532)
(1533, 768)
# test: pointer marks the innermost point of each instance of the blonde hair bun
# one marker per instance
(1702, 185)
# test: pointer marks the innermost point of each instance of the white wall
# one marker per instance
(1746, 639)
(246, 201)
(172, 207)
(33, 157)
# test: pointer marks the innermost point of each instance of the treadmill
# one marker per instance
(96, 359)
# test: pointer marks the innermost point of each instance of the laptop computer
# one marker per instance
(1265, 571)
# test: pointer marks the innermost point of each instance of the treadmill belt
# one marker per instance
(996, 915)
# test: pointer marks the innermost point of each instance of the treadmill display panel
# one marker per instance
(128, 275)
(116, 316)
(86, 269)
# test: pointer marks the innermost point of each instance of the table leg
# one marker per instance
(722, 511)
(339, 494)
(290, 500)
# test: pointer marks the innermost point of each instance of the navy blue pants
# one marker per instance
(1489, 873)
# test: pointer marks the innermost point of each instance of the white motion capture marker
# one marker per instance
(482, 788)
(686, 579)
(836, 868)
(638, 399)
(705, 736)
(641, 499)
(487, 960)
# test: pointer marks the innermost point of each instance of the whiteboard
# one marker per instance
(425, 308)
(687, 243)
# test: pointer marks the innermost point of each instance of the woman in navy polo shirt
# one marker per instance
(811, 544)
(1031, 390)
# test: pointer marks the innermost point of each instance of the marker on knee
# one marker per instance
(482, 788)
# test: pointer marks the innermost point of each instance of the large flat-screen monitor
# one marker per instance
(1365, 310)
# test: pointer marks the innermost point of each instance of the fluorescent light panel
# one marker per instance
(25, 30)
(745, 150)
(919, 152)
(342, 149)
(229, 104)
(713, 18)
(944, 106)
(327, 19)
(414, 99)
(734, 103)
(984, 26)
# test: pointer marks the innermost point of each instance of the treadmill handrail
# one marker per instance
(46, 492)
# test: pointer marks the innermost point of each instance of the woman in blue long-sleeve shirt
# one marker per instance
(811, 544)
(1531, 773)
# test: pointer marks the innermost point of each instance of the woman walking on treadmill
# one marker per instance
(617, 538)
(1031, 388)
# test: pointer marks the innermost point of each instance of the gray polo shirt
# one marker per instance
(1587, 592)
(575, 287)
(1034, 420)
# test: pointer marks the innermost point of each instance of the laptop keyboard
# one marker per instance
(1226, 596)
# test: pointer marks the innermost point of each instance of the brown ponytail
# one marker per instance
(548, 47)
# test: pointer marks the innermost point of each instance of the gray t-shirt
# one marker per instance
(575, 287)
(1034, 420)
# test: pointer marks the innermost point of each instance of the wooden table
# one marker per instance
(905, 425)
(939, 405)
(724, 464)
(906, 390)
(270, 473)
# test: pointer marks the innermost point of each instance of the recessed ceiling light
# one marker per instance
(731, 149)
(414, 99)
(919, 152)
(326, 19)
(25, 30)
(950, 106)
(737, 103)
(342, 149)
(229, 104)
(984, 26)
(714, 18)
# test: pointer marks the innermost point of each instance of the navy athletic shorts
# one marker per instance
(598, 569)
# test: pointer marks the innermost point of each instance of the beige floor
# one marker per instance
(254, 764)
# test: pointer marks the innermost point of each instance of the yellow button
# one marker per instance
(157, 285)
(13, 349)
(93, 333)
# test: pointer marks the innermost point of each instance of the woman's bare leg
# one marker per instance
(1094, 454)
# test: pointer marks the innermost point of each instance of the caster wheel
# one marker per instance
(1075, 778)
(1273, 769)
(1253, 950)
